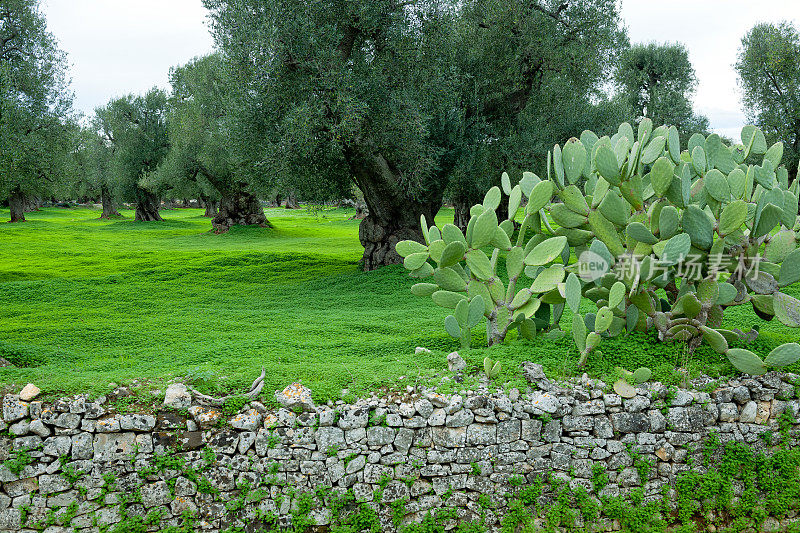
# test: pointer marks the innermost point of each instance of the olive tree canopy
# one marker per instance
(401, 96)
(769, 76)
(657, 82)
(36, 123)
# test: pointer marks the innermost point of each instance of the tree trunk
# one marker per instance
(147, 205)
(463, 203)
(17, 204)
(461, 214)
(393, 215)
(31, 204)
(291, 202)
(109, 210)
(239, 208)
(211, 207)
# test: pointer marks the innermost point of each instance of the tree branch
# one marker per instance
(345, 47)
(555, 15)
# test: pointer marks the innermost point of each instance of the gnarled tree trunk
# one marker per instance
(31, 204)
(291, 202)
(109, 209)
(239, 208)
(393, 215)
(16, 202)
(147, 205)
(463, 203)
(211, 207)
(461, 214)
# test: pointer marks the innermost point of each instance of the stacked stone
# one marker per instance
(428, 449)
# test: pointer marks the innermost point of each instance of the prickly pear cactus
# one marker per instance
(714, 226)
(468, 314)
(464, 272)
(711, 225)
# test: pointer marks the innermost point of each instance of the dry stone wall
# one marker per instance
(76, 465)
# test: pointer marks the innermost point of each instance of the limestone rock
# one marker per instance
(177, 396)
(749, 412)
(29, 392)
(37, 427)
(681, 399)
(630, 422)
(137, 422)
(534, 373)
(295, 396)
(329, 438)
(108, 425)
(249, 420)
(155, 494)
(544, 403)
(13, 408)
(438, 400)
(82, 446)
(455, 363)
(379, 436)
(424, 408)
(57, 446)
(205, 416)
(51, 484)
(113, 446)
(20, 429)
(728, 412)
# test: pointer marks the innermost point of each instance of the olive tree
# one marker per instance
(769, 76)
(200, 162)
(136, 126)
(400, 97)
(36, 122)
(657, 82)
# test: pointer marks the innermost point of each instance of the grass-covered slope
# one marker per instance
(85, 302)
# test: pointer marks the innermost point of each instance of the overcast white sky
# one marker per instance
(118, 47)
(122, 46)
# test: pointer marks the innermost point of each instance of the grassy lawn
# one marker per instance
(85, 302)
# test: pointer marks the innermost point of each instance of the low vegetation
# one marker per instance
(87, 302)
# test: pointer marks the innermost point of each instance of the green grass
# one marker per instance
(85, 302)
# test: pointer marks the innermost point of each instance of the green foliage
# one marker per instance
(657, 82)
(233, 405)
(199, 162)
(70, 282)
(69, 472)
(92, 174)
(384, 95)
(768, 76)
(475, 469)
(20, 458)
(526, 84)
(136, 128)
(599, 477)
(37, 129)
(768, 485)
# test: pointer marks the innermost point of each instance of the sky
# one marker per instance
(118, 47)
(712, 31)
